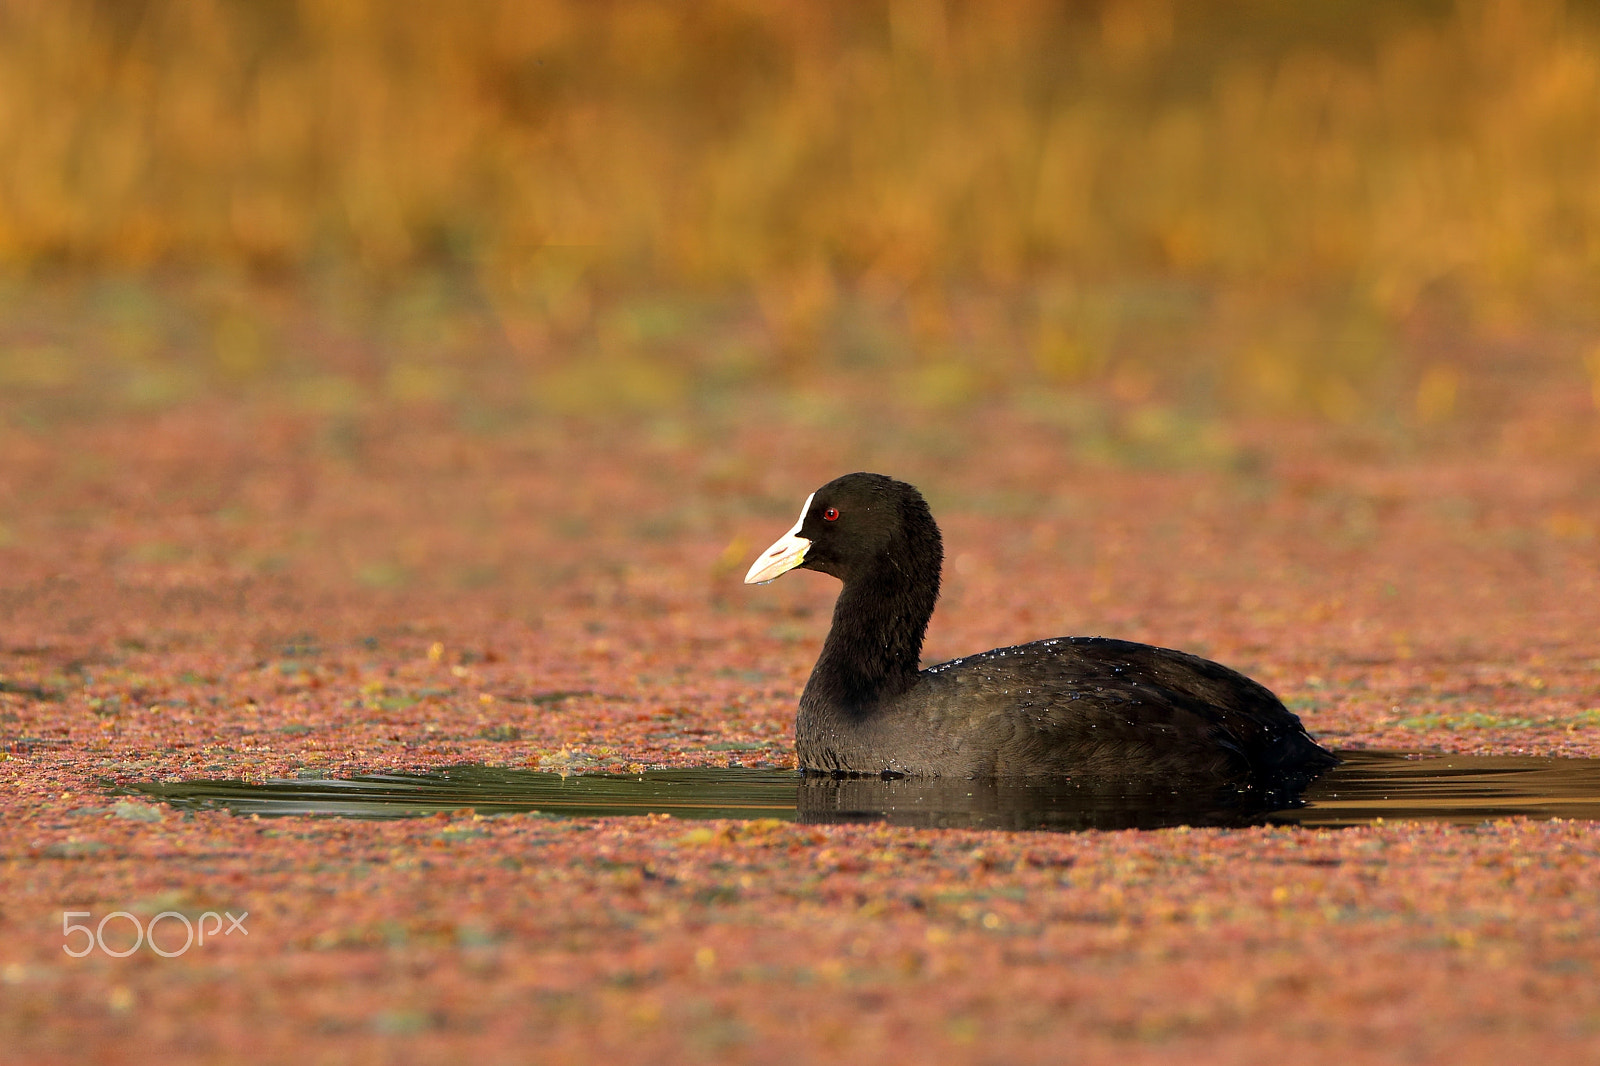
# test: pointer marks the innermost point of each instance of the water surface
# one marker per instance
(1366, 787)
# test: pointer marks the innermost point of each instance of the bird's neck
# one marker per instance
(874, 649)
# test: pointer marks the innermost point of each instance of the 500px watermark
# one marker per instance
(193, 932)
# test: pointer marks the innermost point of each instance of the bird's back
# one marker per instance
(1084, 706)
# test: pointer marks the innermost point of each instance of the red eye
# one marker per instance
(831, 514)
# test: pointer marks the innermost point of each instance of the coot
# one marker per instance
(1091, 707)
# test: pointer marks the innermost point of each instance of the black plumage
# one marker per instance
(1082, 706)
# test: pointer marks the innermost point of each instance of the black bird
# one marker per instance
(1089, 707)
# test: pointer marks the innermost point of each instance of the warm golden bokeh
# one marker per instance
(1075, 183)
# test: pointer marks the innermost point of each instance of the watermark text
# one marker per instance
(129, 934)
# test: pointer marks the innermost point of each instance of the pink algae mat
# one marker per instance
(228, 590)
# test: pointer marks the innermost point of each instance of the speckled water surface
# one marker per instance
(246, 590)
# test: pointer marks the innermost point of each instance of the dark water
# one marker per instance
(1366, 787)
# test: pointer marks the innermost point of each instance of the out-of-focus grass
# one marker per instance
(1252, 199)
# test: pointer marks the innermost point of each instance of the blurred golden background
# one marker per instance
(1315, 209)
